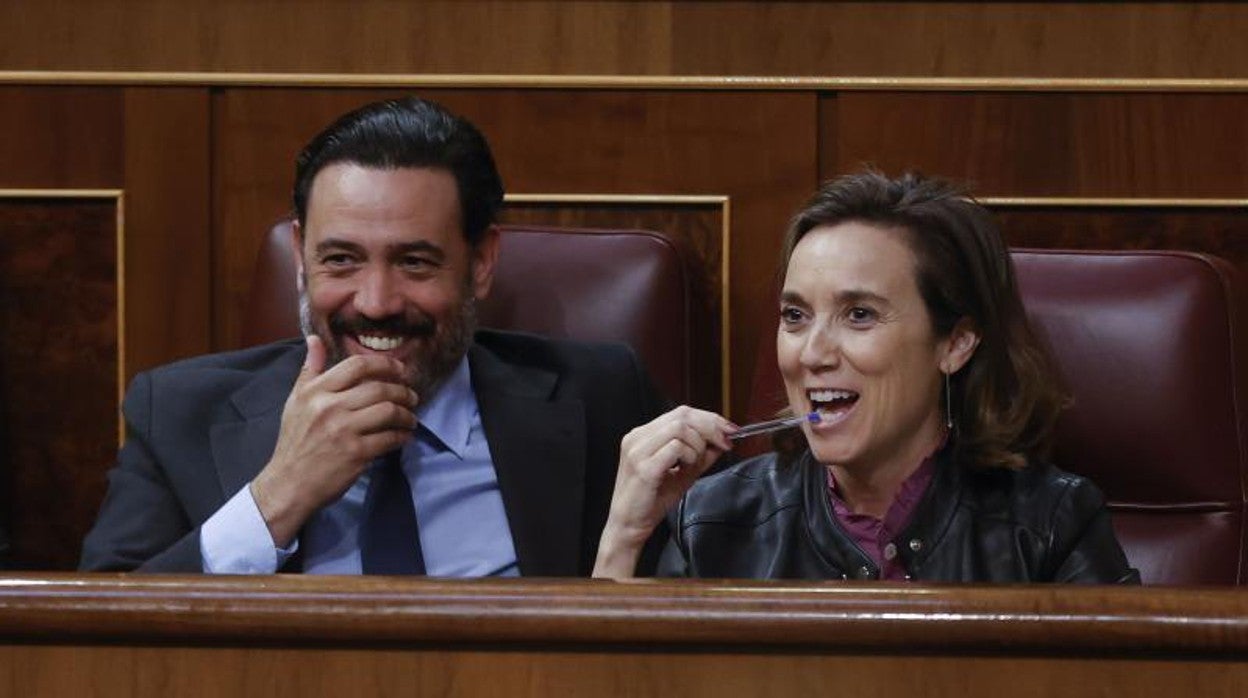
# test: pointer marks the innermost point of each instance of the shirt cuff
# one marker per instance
(235, 540)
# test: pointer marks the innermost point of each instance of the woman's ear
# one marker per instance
(960, 346)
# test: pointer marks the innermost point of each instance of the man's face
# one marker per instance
(385, 268)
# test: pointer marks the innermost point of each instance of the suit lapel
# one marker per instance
(240, 449)
(537, 443)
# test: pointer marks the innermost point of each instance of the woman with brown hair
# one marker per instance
(901, 330)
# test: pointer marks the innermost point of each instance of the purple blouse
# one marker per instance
(875, 536)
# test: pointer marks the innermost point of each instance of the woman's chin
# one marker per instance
(829, 451)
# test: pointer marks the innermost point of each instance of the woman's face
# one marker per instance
(855, 343)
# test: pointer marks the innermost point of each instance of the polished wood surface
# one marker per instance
(46, 141)
(1215, 230)
(555, 37)
(168, 235)
(151, 144)
(290, 635)
(58, 371)
(1047, 144)
(311, 609)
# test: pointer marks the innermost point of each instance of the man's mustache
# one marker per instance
(393, 326)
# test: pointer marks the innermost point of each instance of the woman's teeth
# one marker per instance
(828, 399)
(380, 343)
(829, 395)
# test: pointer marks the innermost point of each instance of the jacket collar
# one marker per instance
(915, 543)
(537, 442)
(241, 448)
(934, 514)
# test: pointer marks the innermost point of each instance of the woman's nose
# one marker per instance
(822, 348)
(378, 295)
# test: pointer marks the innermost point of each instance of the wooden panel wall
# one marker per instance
(1045, 143)
(58, 369)
(1130, 39)
(149, 144)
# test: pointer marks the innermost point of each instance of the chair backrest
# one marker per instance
(1152, 346)
(628, 286)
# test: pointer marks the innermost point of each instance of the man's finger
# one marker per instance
(381, 417)
(314, 362)
(372, 392)
(358, 369)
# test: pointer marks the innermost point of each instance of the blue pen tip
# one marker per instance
(814, 418)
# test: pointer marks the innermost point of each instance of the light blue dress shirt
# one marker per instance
(459, 508)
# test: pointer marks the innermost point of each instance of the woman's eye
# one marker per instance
(791, 316)
(859, 315)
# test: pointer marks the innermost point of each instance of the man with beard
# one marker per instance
(394, 438)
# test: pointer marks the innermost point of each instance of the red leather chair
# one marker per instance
(629, 286)
(1153, 346)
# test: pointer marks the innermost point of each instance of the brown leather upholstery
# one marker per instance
(613, 285)
(1152, 345)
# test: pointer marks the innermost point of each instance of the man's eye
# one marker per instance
(337, 260)
(416, 263)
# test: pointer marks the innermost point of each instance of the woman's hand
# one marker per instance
(658, 463)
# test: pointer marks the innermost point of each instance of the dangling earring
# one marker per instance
(948, 405)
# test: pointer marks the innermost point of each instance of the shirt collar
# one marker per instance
(449, 414)
(905, 501)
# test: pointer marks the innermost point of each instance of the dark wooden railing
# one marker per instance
(156, 635)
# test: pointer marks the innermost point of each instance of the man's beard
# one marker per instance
(441, 347)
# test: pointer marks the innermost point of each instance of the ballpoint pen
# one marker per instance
(773, 425)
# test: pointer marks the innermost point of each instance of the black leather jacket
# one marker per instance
(762, 520)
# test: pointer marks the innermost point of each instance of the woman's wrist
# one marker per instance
(618, 552)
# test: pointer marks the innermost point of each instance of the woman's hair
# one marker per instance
(1007, 398)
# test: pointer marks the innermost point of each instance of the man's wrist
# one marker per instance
(280, 511)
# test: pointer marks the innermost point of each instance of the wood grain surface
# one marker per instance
(292, 636)
(58, 372)
(1129, 39)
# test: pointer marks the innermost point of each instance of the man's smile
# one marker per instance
(379, 343)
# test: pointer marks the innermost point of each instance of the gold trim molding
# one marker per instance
(725, 214)
(624, 82)
(118, 197)
(1110, 202)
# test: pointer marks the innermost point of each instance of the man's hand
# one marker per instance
(659, 461)
(334, 424)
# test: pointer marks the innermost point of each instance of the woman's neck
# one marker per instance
(872, 488)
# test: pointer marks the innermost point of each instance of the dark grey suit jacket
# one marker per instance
(199, 430)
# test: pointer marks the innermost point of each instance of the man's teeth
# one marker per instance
(380, 343)
(829, 395)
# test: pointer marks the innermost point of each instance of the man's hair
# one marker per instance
(408, 132)
(1007, 398)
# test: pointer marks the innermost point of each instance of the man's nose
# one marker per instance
(378, 295)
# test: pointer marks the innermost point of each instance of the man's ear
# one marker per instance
(296, 247)
(484, 257)
(959, 346)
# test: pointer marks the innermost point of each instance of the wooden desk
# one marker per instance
(63, 635)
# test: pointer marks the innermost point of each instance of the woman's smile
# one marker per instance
(855, 344)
